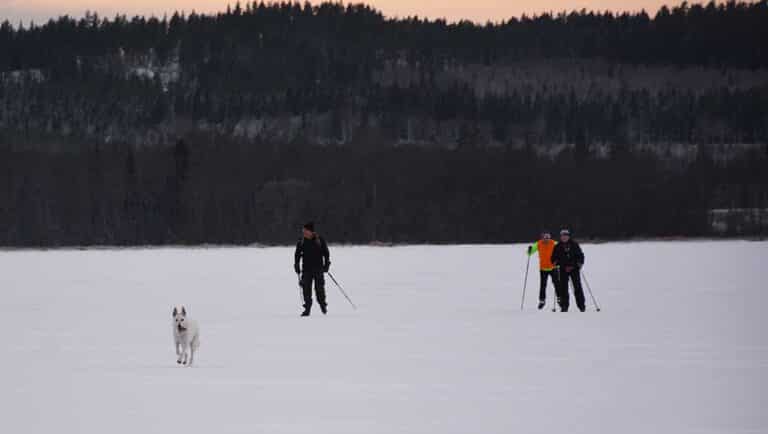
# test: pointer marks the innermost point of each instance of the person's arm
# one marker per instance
(579, 256)
(555, 255)
(297, 258)
(326, 255)
(533, 248)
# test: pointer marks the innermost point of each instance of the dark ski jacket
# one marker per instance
(568, 254)
(313, 253)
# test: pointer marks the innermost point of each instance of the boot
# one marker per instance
(306, 312)
(324, 309)
(541, 304)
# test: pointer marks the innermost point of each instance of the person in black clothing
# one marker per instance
(569, 259)
(312, 252)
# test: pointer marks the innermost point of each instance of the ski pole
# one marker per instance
(525, 281)
(590, 291)
(342, 291)
(557, 291)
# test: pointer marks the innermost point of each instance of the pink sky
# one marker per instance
(477, 10)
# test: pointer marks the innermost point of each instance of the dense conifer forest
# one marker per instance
(237, 127)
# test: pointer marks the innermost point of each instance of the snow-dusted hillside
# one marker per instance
(438, 344)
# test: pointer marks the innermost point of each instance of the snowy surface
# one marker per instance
(438, 344)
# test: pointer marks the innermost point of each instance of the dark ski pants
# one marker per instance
(543, 288)
(578, 293)
(307, 277)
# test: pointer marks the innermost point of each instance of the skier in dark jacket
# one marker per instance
(569, 259)
(312, 252)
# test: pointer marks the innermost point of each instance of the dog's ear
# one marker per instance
(175, 311)
(183, 311)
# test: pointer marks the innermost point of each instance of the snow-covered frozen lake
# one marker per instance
(438, 344)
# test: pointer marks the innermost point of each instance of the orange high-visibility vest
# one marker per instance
(545, 248)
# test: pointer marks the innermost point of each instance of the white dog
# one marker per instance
(186, 336)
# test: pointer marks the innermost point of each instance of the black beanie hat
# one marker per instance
(310, 226)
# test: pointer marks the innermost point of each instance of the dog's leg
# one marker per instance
(193, 346)
(178, 352)
(185, 349)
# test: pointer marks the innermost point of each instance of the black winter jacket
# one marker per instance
(313, 253)
(568, 254)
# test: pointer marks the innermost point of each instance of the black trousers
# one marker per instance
(543, 288)
(578, 293)
(318, 277)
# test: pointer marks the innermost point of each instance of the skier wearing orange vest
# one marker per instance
(544, 246)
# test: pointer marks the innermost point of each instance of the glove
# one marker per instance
(327, 267)
(530, 250)
(296, 268)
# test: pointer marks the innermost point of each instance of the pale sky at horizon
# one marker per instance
(477, 10)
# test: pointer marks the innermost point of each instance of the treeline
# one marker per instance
(235, 193)
(344, 74)
(726, 34)
(139, 112)
(236, 127)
